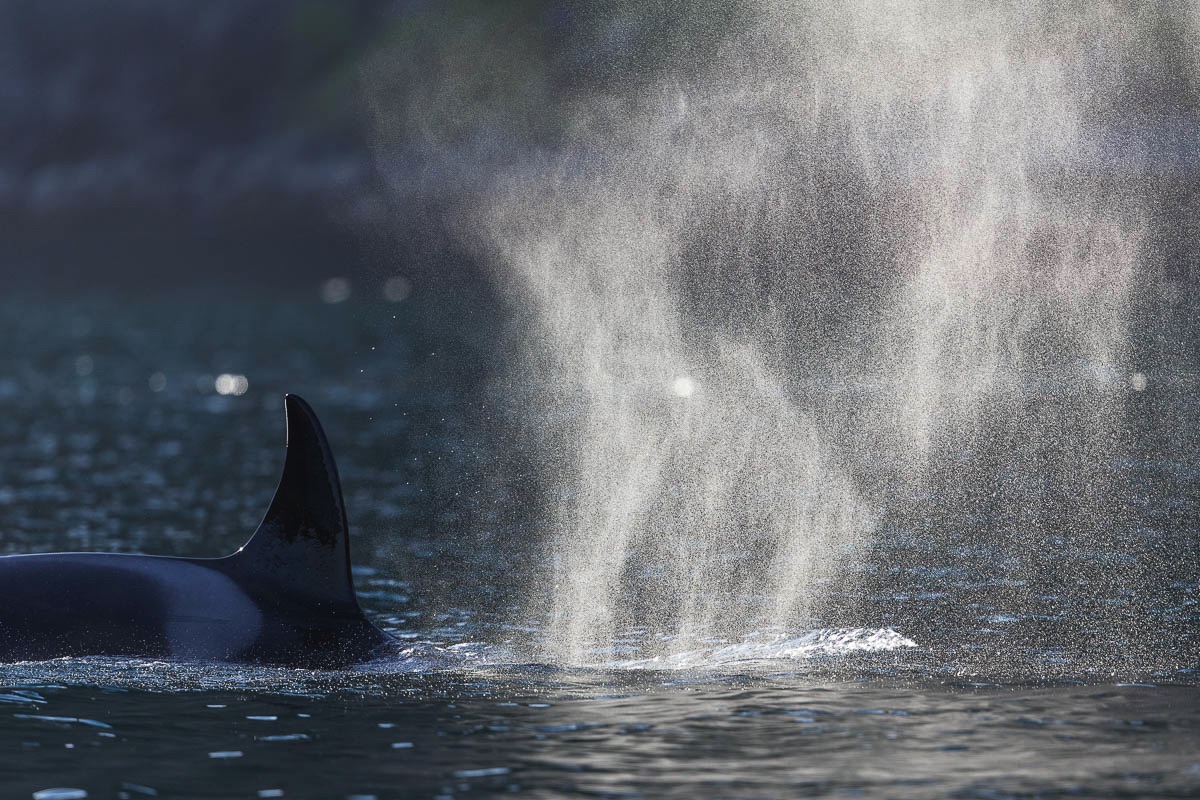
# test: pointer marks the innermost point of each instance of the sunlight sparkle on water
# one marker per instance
(227, 383)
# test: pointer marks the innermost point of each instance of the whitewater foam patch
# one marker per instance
(820, 642)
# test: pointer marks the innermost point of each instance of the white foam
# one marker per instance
(821, 642)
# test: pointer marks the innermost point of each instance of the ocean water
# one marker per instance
(539, 732)
(941, 662)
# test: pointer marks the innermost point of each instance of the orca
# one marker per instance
(285, 598)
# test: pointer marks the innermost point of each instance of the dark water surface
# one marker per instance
(961, 669)
(546, 734)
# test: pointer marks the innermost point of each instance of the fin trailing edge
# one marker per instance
(303, 540)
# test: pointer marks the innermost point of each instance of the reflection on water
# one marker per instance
(957, 666)
(540, 732)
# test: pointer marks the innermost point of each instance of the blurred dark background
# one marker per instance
(160, 143)
(152, 143)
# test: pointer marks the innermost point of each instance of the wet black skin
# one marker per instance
(285, 598)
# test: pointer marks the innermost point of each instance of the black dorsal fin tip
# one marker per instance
(302, 542)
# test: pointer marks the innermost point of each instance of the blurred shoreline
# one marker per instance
(151, 146)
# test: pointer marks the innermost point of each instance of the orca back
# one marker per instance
(286, 597)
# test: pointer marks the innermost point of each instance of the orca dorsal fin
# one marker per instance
(302, 543)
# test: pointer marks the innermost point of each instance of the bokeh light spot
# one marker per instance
(683, 386)
(228, 383)
(335, 290)
(396, 289)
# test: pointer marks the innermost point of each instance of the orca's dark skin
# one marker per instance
(285, 598)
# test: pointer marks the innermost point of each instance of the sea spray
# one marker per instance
(786, 271)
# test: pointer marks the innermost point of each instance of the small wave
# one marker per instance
(821, 642)
(150, 675)
(417, 659)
